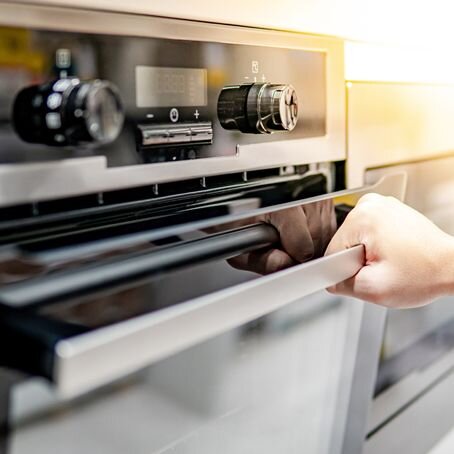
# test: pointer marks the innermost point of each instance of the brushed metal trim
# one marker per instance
(328, 148)
(92, 359)
(25, 183)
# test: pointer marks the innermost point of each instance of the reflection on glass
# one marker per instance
(304, 233)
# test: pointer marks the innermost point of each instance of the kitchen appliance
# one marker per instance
(142, 155)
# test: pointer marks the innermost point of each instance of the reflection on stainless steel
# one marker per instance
(304, 233)
(13, 269)
(127, 270)
(19, 267)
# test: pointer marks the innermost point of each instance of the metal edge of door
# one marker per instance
(362, 381)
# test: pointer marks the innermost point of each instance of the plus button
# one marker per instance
(196, 114)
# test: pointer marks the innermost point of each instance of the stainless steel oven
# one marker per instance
(144, 162)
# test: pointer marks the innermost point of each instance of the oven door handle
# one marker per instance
(88, 360)
(115, 273)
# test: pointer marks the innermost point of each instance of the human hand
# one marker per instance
(408, 259)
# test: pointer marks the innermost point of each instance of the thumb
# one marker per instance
(363, 285)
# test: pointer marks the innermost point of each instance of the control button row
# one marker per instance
(194, 133)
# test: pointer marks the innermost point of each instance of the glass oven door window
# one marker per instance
(272, 385)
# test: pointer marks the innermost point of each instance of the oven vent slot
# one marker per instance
(219, 181)
(70, 203)
(179, 187)
(264, 173)
(153, 191)
(16, 212)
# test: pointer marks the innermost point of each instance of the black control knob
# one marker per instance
(258, 108)
(69, 112)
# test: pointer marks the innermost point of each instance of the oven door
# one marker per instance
(222, 359)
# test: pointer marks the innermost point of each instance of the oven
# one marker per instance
(146, 304)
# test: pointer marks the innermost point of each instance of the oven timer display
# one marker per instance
(169, 87)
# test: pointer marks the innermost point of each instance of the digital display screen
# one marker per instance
(170, 87)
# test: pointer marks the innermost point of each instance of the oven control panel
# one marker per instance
(149, 99)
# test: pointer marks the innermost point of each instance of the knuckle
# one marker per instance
(373, 203)
(370, 197)
(362, 217)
